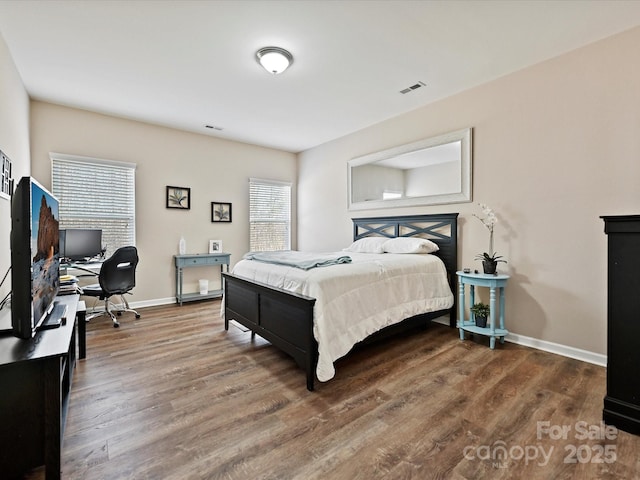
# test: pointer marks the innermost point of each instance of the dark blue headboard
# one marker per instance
(441, 228)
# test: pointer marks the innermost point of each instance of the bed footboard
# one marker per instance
(283, 318)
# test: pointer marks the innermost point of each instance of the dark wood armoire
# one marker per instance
(622, 401)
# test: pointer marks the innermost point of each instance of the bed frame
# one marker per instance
(286, 319)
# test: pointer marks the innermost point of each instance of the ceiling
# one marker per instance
(188, 64)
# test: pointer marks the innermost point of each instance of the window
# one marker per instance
(269, 215)
(96, 193)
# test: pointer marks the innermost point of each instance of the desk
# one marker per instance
(35, 379)
(81, 269)
(496, 284)
(81, 315)
(198, 260)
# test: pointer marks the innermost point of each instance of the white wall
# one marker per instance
(438, 179)
(14, 142)
(216, 170)
(555, 146)
(372, 181)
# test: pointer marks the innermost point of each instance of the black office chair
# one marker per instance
(117, 277)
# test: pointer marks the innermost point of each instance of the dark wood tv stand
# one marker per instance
(35, 381)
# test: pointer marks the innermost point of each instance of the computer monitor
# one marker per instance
(80, 244)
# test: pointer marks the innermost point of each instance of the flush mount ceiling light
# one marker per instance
(275, 60)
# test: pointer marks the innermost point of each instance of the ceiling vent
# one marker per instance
(413, 87)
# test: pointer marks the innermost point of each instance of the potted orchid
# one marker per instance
(490, 258)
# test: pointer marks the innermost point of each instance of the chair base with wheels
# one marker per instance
(110, 308)
(117, 277)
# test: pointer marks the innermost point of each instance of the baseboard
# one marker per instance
(153, 303)
(551, 347)
(145, 303)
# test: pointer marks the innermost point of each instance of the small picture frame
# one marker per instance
(220, 212)
(178, 197)
(215, 246)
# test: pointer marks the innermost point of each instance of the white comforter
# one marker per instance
(354, 300)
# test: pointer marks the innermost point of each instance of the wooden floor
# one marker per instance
(174, 396)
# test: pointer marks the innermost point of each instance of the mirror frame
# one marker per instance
(465, 195)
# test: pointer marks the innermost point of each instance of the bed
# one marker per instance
(301, 324)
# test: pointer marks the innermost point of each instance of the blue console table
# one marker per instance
(199, 260)
(496, 285)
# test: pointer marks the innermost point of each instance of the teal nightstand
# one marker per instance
(496, 285)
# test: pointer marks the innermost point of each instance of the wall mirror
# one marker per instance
(433, 171)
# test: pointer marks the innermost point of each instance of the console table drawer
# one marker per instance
(196, 260)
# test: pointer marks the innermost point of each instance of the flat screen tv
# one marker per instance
(80, 244)
(35, 259)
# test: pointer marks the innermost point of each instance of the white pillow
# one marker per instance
(410, 245)
(367, 245)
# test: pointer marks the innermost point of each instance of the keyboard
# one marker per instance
(56, 317)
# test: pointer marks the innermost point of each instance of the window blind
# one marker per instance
(96, 193)
(269, 215)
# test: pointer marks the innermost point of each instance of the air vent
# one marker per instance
(213, 127)
(413, 87)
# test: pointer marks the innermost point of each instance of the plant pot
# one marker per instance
(489, 267)
(481, 321)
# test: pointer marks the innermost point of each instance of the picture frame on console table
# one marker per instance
(215, 246)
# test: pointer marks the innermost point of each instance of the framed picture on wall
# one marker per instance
(220, 212)
(6, 182)
(178, 197)
(215, 246)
